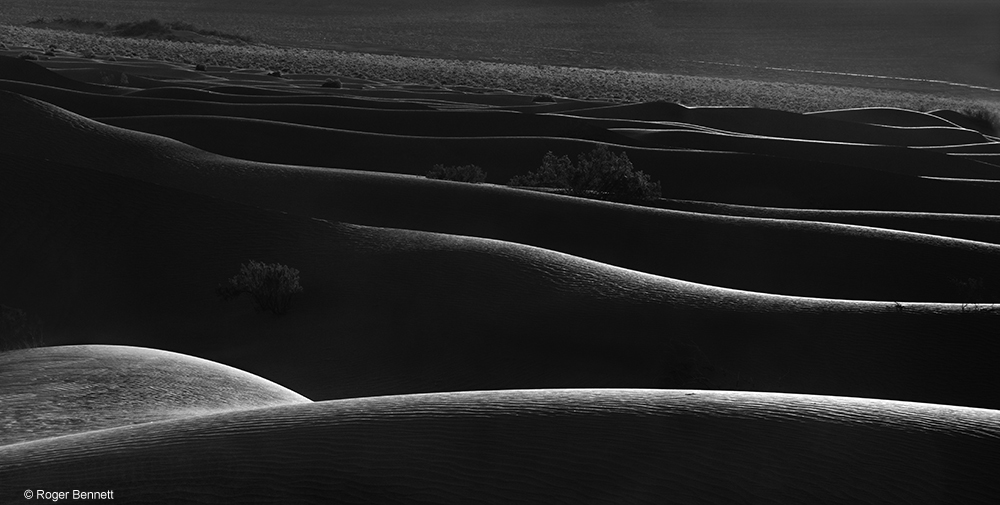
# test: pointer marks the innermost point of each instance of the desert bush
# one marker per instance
(270, 285)
(599, 174)
(18, 330)
(25, 55)
(463, 173)
(332, 83)
(141, 28)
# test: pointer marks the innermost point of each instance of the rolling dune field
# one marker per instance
(805, 314)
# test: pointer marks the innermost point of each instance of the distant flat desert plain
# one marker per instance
(590, 269)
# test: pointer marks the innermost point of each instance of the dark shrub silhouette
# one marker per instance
(18, 330)
(271, 285)
(201, 67)
(599, 174)
(332, 83)
(464, 173)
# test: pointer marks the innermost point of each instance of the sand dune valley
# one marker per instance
(805, 313)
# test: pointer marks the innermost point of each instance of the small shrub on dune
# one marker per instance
(463, 173)
(333, 83)
(270, 285)
(18, 330)
(28, 56)
(141, 28)
(599, 174)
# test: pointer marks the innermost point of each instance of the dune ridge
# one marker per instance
(704, 248)
(397, 311)
(55, 391)
(527, 448)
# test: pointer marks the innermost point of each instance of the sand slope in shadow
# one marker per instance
(634, 446)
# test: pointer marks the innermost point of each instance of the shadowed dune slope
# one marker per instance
(358, 145)
(107, 258)
(886, 116)
(55, 391)
(963, 226)
(773, 123)
(16, 69)
(735, 178)
(184, 93)
(741, 178)
(900, 160)
(362, 117)
(797, 258)
(555, 446)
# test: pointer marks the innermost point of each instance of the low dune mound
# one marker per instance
(887, 116)
(773, 123)
(979, 228)
(547, 446)
(17, 69)
(55, 391)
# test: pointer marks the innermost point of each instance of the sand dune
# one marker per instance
(857, 263)
(556, 446)
(22, 70)
(887, 117)
(56, 391)
(791, 253)
(964, 226)
(392, 311)
(740, 178)
(774, 123)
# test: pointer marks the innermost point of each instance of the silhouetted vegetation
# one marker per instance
(270, 285)
(599, 174)
(464, 173)
(18, 330)
(332, 83)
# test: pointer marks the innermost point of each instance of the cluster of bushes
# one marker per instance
(271, 286)
(463, 173)
(599, 174)
(18, 330)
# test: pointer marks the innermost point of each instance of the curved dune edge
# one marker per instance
(54, 391)
(714, 248)
(538, 446)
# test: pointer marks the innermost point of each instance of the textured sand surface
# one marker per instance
(55, 391)
(555, 446)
